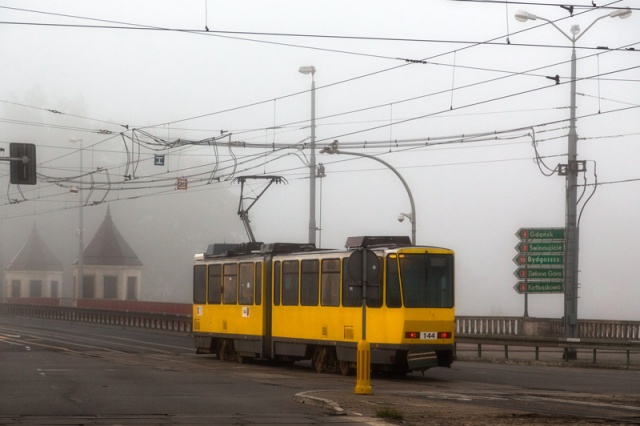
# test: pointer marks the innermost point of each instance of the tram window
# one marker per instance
(246, 281)
(394, 299)
(330, 289)
(374, 294)
(440, 279)
(427, 281)
(199, 284)
(230, 284)
(276, 283)
(351, 291)
(258, 283)
(215, 284)
(290, 282)
(309, 283)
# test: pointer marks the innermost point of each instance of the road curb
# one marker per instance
(304, 398)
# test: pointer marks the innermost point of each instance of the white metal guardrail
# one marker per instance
(545, 327)
(158, 321)
(481, 332)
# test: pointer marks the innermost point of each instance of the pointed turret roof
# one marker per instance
(35, 255)
(108, 247)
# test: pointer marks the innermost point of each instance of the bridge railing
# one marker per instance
(495, 326)
(529, 338)
(154, 320)
(176, 317)
(468, 326)
(609, 329)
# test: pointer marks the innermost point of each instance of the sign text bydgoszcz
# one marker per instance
(539, 259)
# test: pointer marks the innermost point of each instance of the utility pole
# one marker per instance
(571, 170)
(310, 69)
(78, 286)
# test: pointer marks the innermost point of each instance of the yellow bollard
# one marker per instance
(363, 370)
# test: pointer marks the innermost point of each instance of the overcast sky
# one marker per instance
(455, 95)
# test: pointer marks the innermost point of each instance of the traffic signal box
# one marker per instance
(23, 172)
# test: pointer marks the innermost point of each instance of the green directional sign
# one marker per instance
(535, 247)
(525, 234)
(539, 273)
(539, 259)
(523, 287)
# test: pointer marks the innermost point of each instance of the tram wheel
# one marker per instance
(343, 368)
(319, 359)
(221, 348)
(225, 350)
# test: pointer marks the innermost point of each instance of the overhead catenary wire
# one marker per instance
(421, 141)
(287, 95)
(170, 180)
(132, 25)
(137, 162)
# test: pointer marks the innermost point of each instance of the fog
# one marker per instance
(458, 121)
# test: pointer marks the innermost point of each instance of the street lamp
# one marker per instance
(312, 158)
(333, 149)
(571, 170)
(79, 281)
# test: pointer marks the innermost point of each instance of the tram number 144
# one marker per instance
(428, 335)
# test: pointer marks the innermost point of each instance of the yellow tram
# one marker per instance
(292, 302)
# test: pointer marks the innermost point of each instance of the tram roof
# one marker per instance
(370, 241)
(255, 248)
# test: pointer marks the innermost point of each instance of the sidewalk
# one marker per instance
(413, 409)
(433, 407)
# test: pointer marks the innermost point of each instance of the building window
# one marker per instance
(54, 289)
(110, 287)
(132, 288)
(35, 288)
(88, 287)
(15, 288)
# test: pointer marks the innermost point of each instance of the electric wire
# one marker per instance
(140, 145)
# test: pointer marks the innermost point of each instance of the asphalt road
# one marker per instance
(78, 373)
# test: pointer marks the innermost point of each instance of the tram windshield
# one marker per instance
(426, 280)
